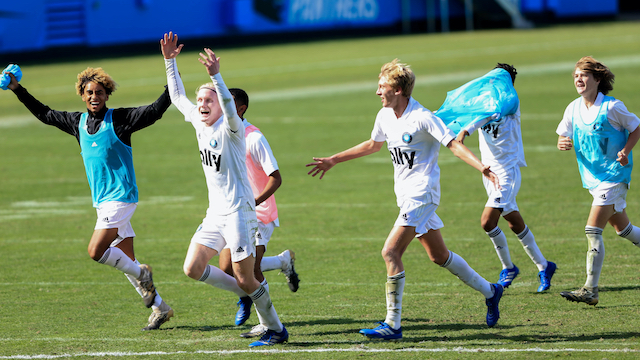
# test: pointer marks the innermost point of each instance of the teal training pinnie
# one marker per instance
(489, 96)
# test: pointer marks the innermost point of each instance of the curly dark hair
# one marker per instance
(510, 69)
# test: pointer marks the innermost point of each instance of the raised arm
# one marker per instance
(170, 50)
(322, 165)
(212, 63)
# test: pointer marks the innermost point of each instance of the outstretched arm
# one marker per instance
(631, 142)
(467, 156)
(322, 165)
(170, 50)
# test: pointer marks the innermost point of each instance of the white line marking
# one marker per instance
(361, 349)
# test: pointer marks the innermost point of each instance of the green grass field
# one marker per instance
(314, 99)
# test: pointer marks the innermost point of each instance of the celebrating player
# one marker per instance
(413, 135)
(104, 136)
(501, 148)
(603, 132)
(231, 217)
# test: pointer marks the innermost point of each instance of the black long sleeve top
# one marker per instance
(125, 120)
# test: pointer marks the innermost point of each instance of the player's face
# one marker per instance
(586, 85)
(95, 97)
(208, 106)
(388, 95)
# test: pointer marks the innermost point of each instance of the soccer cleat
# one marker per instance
(507, 276)
(545, 276)
(159, 316)
(584, 294)
(145, 282)
(244, 310)
(287, 258)
(255, 331)
(383, 331)
(493, 312)
(272, 337)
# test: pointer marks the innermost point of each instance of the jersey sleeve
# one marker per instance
(176, 90)
(565, 128)
(377, 134)
(621, 118)
(227, 104)
(261, 153)
(437, 128)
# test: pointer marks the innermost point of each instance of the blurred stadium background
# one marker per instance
(29, 27)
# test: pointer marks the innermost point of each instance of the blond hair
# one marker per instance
(398, 76)
(600, 73)
(97, 76)
(208, 86)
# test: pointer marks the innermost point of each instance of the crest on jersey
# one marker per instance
(213, 143)
(406, 138)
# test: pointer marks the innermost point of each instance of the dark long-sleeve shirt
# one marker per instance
(125, 120)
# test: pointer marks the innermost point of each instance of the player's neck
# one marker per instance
(400, 106)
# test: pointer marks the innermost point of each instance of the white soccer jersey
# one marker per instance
(500, 142)
(414, 143)
(260, 164)
(618, 115)
(222, 145)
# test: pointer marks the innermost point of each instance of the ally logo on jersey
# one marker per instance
(401, 157)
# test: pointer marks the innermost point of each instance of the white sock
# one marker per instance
(266, 312)
(499, 240)
(394, 288)
(265, 284)
(134, 282)
(631, 233)
(458, 267)
(116, 258)
(595, 255)
(530, 246)
(220, 279)
(269, 263)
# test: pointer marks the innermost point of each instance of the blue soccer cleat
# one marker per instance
(507, 276)
(545, 276)
(272, 337)
(493, 313)
(244, 310)
(384, 332)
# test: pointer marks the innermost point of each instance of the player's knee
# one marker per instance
(191, 271)
(94, 253)
(439, 259)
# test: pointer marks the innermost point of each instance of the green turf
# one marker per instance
(314, 99)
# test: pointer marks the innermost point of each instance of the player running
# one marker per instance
(413, 135)
(231, 217)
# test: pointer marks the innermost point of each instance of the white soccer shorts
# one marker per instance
(610, 194)
(504, 198)
(237, 230)
(116, 215)
(420, 215)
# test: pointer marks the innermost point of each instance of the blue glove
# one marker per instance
(5, 79)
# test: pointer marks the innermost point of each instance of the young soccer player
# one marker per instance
(413, 135)
(231, 217)
(603, 132)
(104, 136)
(265, 179)
(501, 148)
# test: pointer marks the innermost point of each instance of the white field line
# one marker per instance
(322, 350)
